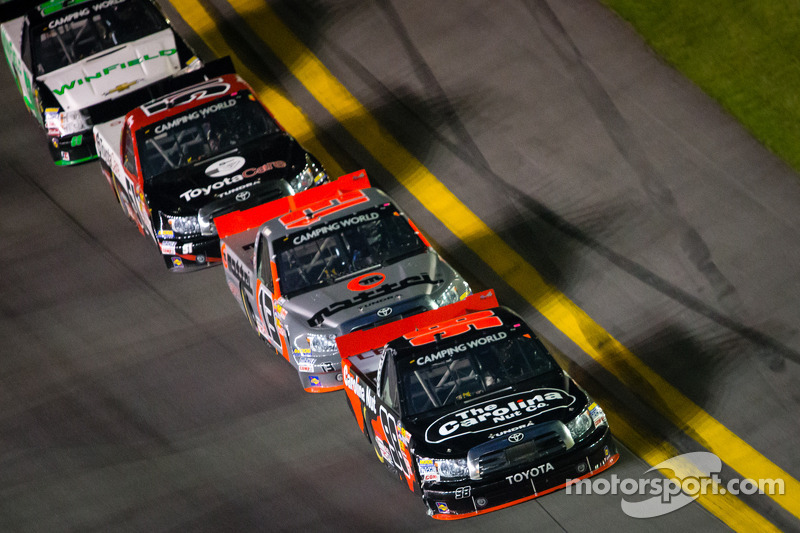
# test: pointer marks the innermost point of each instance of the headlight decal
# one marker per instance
(442, 469)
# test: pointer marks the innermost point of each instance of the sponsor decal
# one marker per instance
(365, 394)
(193, 115)
(335, 227)
(168, 247)
(52, 7)
(238, 269)
(105, 71)
(66, 19)
(201, 91)
(177, 262)
(365, 296)
(456, 326)
(447, 353)
(500, 412)
(230, 180)
(226, 166)
(305, 367)
(529, 474)
(597, 414)
(384, 450)
(314, 212)
(405, 436)
(442, 507)
(314, 380)
(366, 281)
(428, 470)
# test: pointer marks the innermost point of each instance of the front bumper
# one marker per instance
(72, 149)
(322, 381)
(454, 500)
(184, 256)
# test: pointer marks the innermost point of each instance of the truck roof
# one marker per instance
(184, 99)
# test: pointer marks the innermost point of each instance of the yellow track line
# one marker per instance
(520, 275)
(289, 116)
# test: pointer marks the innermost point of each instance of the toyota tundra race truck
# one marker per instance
(337, 258)
(209, 147)
(467, 407)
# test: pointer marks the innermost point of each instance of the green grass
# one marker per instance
(743, 53)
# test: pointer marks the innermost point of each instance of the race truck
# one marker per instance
(210, 147)
(82, 62)
(334, 259)
(466, 406)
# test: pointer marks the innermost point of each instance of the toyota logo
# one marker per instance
(516, 437)
(384, 312)
(242, 196)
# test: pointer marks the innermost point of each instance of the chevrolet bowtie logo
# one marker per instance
(121, 87)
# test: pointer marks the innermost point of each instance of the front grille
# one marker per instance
(538, 444)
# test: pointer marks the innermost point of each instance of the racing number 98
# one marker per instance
(389, 426)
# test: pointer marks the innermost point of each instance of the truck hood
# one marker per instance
(241, 173)
(454, 430)
(407, 284)
(114, 72)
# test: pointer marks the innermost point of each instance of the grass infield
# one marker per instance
(743, 53)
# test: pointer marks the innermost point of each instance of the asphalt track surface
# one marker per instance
(132, 399)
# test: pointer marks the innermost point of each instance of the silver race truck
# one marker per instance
(337, 258)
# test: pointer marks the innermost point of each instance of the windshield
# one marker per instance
(471, 371)
(202, 133)
(64, 40)
(366, 240)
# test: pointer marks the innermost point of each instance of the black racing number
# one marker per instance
(390, 430)
(268, 314)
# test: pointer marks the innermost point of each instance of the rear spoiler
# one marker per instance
(363, 341)
(119, 107)
(239, 221)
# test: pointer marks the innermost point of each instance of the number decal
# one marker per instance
(456, 326)
(209, 89)
(268, 316)
(314, 212)
(389, 425)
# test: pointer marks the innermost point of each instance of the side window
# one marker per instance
(263, 268)
(389, 383)
(128, 158)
